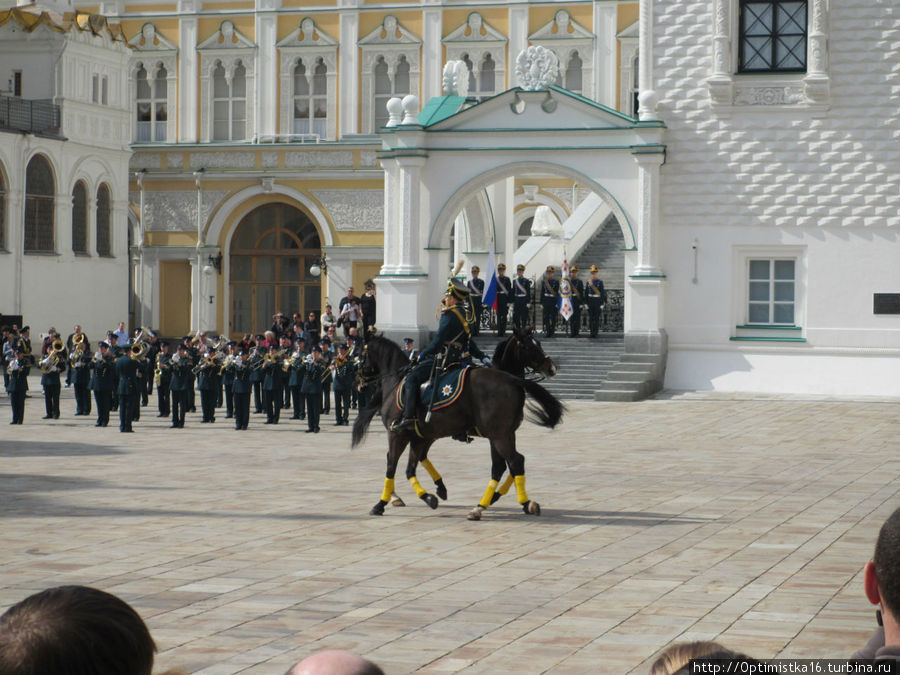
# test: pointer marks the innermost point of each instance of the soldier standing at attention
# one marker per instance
(521, 297)
(504, 297)
(17, 385)
(181, 366)
(163, 379)
(240, 388)
(549, 295)
(127, 372)
(344, 371)
(312, 388)
(596, 298)
(577, 286)
(476, 291)
(103, 381)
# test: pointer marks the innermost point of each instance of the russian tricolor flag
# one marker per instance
(489, 299)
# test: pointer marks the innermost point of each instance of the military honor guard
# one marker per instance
(521, 298)
(162, 376)
(103, 382)
(127, 368)
(52, 364)
(316, 370)
(344, 372)
(409, 348)
(239, 368)
(504, 297)
(476, 293)
(577, 290)
(549, 296)
(17, 385)
(596, 299)
(181, 367)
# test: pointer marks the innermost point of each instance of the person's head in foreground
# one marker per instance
(335, 662)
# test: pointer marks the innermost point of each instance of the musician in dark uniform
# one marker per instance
(240, 388)
(207, 384)
(521, 290)
(163, 380)
(287, 348)
(271, 387)
(70, 344)
(344, 373)
(103, 381)
(17, 386)
(327, 357)
(256, 376)
(127, 371)
(181, 366)
(296, 371)
(476, 293)
(51, 366)
(113, 340)
(312, 388)
(596, 299)
(504, 297)
(549, 290)
(453, 338)
(411, 352)
(81, 377)
(228, 381)
(576, 287)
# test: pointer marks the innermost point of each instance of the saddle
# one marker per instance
(449, 386)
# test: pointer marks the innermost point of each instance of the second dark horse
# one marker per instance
(495, 414)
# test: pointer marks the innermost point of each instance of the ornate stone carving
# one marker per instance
(174, 160)
(145, 160)
(368, 158)
(536, 68)
(769, 96)
(222, 160)
(176, 211)
(270, 160)
(318, 158)
(456, 79)
(358, 210)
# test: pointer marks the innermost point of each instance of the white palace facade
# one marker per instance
(184, 164)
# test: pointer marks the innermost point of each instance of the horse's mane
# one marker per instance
(387, 352)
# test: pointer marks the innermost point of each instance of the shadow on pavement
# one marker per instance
(51, 449)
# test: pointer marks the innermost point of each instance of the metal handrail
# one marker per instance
(29, 116)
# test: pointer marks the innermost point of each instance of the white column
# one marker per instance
(409, 216)
(391, 252)
(817, 81)
(188, 66)
(605, 53)
(518, 40)
(432, 53)
(91, 223)
(348, 69)
(721, 84)
(62, 224)
(648, 214)
(197, 298)
(267, 70)
(647, 97)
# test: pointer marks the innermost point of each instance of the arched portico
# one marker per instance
(433, 166)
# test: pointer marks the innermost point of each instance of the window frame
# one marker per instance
(33, 202)
(477, 39)
(83, 219)
(227, 46)
(103, 222)
(742, 329)
(153, 51)
(4, 193)
(389, 41)
(741, 68)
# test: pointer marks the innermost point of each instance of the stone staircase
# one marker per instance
(582, 363)
(633, 378)
(605, 251)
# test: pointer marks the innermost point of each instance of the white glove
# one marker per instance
(486, 360)
(52, 369)
(14, 367)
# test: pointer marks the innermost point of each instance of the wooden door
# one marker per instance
(174, 297)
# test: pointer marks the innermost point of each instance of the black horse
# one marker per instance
(496, 416)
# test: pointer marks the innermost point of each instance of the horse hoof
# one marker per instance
(475, 514)
(441, 489)
(495, 497)
(531, 508)
(398, 502)
(378, 509)
(430, 499)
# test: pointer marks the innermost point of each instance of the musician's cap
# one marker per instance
(26, 329)
(262, 349)
(501, 266)
(551, 269)
(161, 343)
(316, 348)
(408, 341)
(476, 268)
(325, 341)
(342, 345)
(20, 349)
(573, 268)
(594, 268)
(112, 336)
(181, 346)
(520, 268)
(457, 289)
(105, 345)
(52, 330)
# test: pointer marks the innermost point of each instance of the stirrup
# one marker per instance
(403, 423)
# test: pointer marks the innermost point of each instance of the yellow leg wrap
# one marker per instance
(416, 486)
(520, 489)
(488, 494)
(388, 490)
(506, 484)
(429, 467)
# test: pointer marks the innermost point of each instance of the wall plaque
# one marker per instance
(887, 303)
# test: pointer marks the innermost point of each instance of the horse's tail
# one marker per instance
(549, 410)
(364, 418)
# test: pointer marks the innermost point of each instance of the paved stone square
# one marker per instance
(741, 519)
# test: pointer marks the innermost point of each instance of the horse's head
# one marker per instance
(378, 357)
(531, 354)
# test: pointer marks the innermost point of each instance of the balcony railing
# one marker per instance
(33, 117)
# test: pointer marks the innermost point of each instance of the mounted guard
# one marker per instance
(451, 347)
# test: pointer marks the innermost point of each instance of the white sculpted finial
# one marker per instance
(536, 68)
(456, 79)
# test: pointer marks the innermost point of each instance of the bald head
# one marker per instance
(335, 662)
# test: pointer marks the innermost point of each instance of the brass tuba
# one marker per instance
(52, 359)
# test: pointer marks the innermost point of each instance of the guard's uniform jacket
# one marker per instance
(521, 290)
(549, 294)
(596, 298)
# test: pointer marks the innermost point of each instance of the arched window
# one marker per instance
(39, 203)
(524, 231)
(103, 209)
(382, 92)
(271, 253)
(481, 83)
(573, 73)
(79, 218)
(229, 104)
(152, 105)
(2, 213)
(310, 102)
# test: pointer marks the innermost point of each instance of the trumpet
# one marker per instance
(138, 351)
